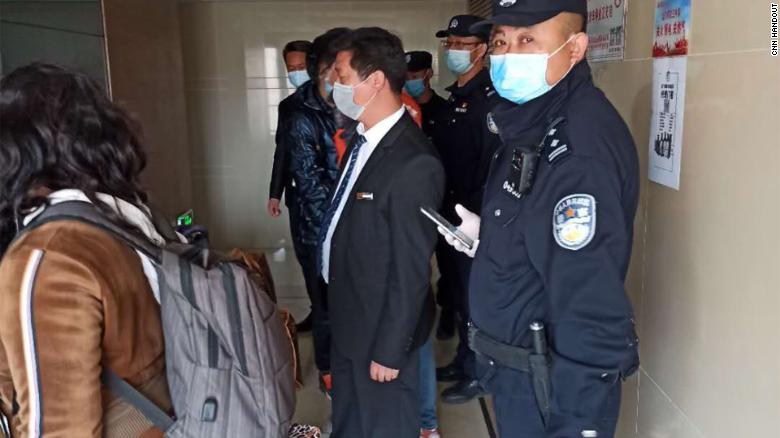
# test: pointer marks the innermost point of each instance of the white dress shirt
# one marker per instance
(373, 136)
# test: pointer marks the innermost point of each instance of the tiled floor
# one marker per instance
(462, 421)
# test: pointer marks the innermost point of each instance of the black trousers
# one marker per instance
(317, 290)
(465, 356)
(518, 416)
(363, 408)
(455, 269)
(449, 284)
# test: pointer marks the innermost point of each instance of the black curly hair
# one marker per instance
(59, 130)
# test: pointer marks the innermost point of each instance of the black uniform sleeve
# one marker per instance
(489, 143)
(420, 183)
(590, 324)
(279, 171)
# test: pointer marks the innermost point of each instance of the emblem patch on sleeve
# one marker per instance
(574, 221)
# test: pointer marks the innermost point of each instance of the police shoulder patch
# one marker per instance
(491, 124)
(574, 221)
(556, 145)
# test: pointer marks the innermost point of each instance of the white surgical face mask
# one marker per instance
(521, 77)
(459, 61)
(344, 98)
(298, 77)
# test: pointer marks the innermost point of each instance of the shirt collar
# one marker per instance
(377, 132)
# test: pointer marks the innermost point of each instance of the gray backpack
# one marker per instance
(229, 361)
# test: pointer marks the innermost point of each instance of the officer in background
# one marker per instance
(553, 327)
(465, 145)
(419, 71)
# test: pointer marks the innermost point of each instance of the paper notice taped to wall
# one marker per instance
(606, 30)
(666, 128)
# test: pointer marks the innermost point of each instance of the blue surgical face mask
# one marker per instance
(522, 77)
(415, 87)
(344, 98)
(459, 61)
(328, 87)
(298, 77)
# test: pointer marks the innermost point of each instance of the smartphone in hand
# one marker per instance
(450, 229)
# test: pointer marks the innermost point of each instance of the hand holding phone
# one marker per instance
(462, 238)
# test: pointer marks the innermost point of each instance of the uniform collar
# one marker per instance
(434, 98)
(474, 85)
(517, 122)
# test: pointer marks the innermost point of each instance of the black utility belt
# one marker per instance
(534, 361)
(510, 356)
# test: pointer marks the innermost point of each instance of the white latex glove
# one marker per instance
(469, 226)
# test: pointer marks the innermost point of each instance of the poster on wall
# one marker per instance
(666, 128)
(672, 28)
(606, 29)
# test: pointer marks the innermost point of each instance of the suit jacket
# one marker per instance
(380, 301)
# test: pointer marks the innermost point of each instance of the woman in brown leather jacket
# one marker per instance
(73, 299)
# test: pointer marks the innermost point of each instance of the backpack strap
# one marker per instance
(87, 213)
(130, 395)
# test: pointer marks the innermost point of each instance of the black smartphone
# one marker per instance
(450, 229)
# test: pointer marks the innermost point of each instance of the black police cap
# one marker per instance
(418, 60)
(524, 13)
(460, 25)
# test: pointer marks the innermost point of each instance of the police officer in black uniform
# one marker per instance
(553, 327)
(465, 145)
(419, 71)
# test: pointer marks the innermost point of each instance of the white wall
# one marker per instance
(235, 78)
(703, 271)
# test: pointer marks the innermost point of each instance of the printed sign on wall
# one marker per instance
(666, 129)
(606, 29)
(672, 28)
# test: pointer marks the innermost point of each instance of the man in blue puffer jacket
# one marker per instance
(307, 134)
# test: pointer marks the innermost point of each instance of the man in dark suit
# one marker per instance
(376, 246)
